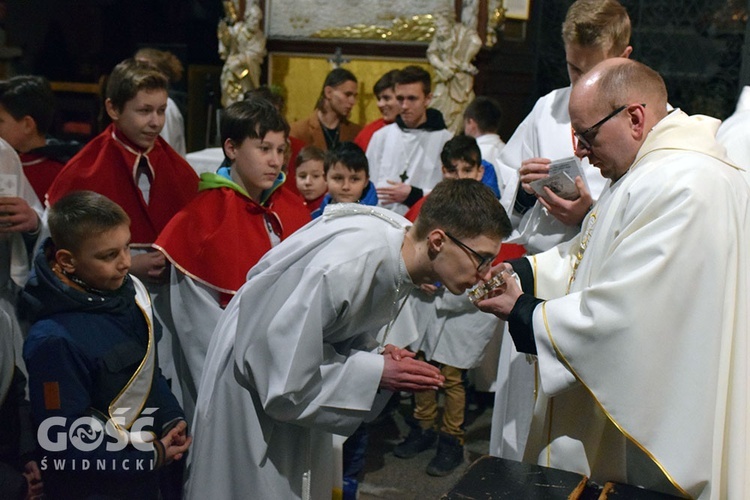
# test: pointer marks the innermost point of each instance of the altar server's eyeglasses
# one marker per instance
(484, 261)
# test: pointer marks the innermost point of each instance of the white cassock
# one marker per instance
(416, 152)
(291, 362)
(545, 133)
(452, 330)
(174, 128)
(644, 363)
(15, 258)
(734, 132)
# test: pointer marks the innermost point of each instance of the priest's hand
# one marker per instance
(533, 169)
(569, 212)
(397, 192)
(17, 216)
(501, 300)
(150, 267)
(410, 374)
(176, 442)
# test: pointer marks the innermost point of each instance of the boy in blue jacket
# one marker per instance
(347, 177)
(107, 421)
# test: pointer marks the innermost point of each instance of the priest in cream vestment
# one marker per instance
(643, 362)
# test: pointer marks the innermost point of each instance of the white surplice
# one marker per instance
(194, 311)
(15, 256)
(644, 363)
(416, 152)
(291, 360)
(452, 330)
(545, 133)
(734, 132)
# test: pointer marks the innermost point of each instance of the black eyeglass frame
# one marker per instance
(581, 136)
(484, 262)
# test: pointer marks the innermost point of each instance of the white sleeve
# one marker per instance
(195, 313)
(282, 350)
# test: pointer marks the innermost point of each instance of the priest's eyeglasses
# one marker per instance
(581, 136)
(484, 261)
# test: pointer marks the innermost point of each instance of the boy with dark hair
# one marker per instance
(482, 122)
(482, 115)
(347, 177)
(292, 359)
(27, 108)
(92, 362)
(385, 94)
(461, 158)
(241, 212)
(404, 156)
(132, 165)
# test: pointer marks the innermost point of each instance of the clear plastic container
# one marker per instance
(481, 291)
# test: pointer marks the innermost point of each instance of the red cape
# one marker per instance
(221, 234)
(40, 171)
(291, 178)
(107, 165)
(363, 138)
(508, 251)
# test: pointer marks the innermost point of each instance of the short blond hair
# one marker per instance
(598, 23)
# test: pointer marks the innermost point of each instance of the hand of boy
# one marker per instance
(397, 353)
(396, 193)
(34, 480)
(150, 267)
(16, 216)
(176, 442)
(409, 374)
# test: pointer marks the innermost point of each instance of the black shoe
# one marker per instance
(417, 441)
(450, 454)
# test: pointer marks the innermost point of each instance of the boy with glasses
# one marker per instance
(293, 358)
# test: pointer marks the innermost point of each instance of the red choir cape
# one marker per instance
(363, 137)
(40, 172)
(508, 251)
(107, 165)
(222, 233)
(313, 205)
